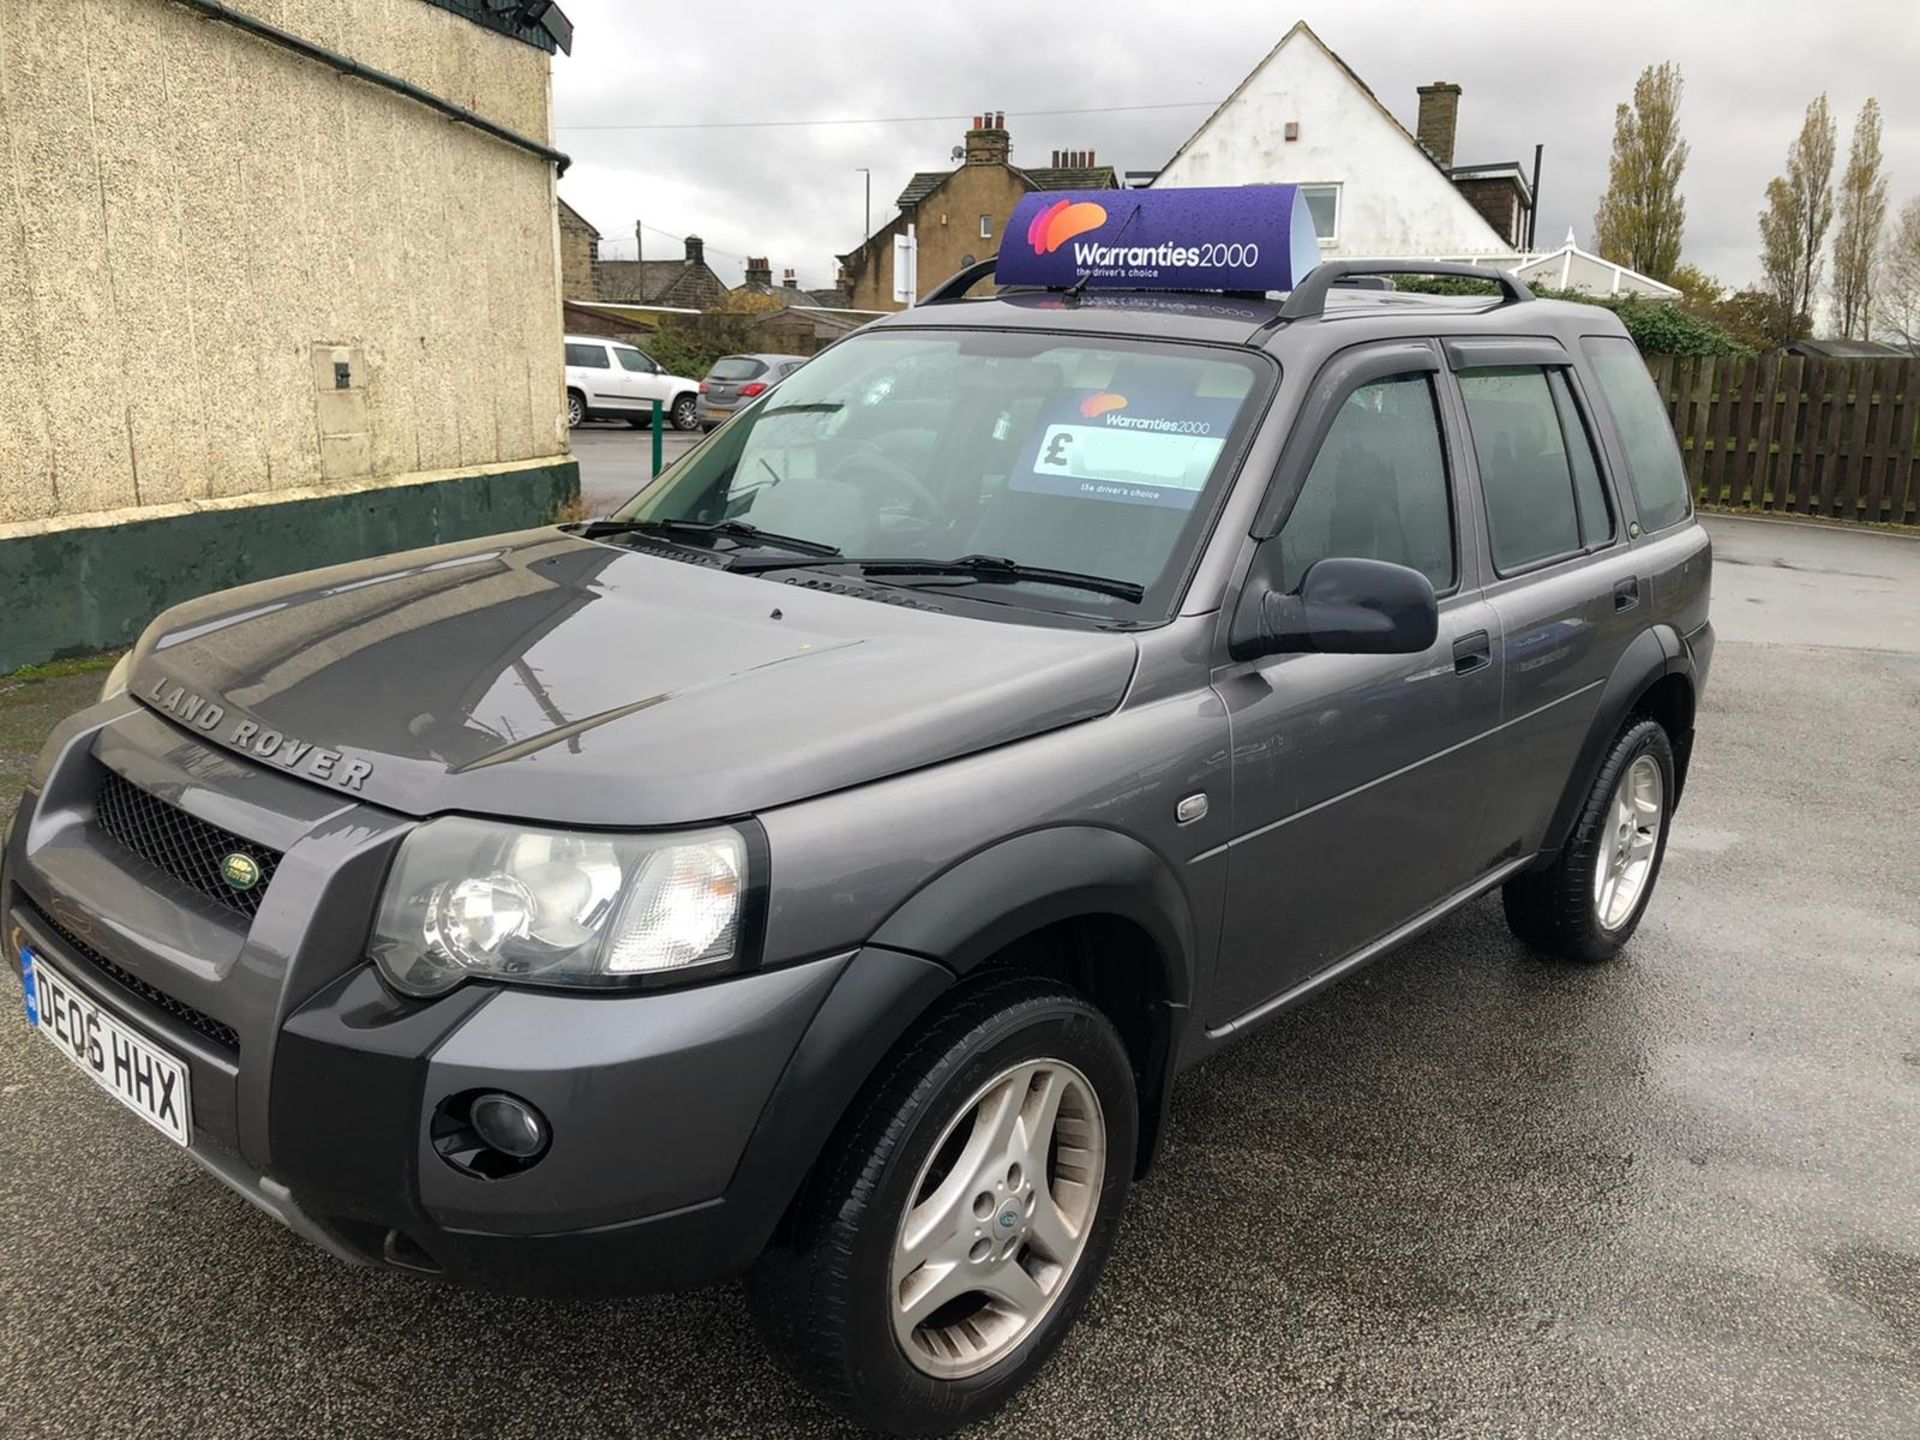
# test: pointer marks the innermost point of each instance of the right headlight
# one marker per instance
(475, 899)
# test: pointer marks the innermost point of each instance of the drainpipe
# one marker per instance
(334, 60)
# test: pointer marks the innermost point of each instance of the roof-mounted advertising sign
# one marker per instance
(1246, 237)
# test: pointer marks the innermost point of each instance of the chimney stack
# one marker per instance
(696, 250)
(791, 281)
(1439, 118)
(759, 271)
(988, 142)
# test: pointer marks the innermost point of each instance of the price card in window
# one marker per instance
(1134, 450)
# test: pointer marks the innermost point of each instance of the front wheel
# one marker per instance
(1588, 903)
(686, 413)
(942, 1251)
(576, 409)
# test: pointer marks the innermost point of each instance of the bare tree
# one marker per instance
(1643, 215)
(1863, 215)
(1793, 227)
(1896, 300)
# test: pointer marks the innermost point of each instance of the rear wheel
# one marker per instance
(685, 413)
(1588, 903)
(942, 1251)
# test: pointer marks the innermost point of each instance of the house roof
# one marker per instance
(1301, 28)
(1076, 177)
(790, 296)
(541, 25)
(1847, 350)
(584, 223)
(1089, 177)
(659, 282)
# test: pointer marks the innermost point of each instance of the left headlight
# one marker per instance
(116, 680)
(474, 899)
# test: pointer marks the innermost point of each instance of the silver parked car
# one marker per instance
(736, 379)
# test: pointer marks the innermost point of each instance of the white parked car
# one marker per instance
(611, 380)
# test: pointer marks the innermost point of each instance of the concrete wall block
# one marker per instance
(215, 204)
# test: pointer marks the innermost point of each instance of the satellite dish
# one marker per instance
(959, 152)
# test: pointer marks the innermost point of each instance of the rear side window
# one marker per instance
(1596, 514)
(1378, 487)
(1654, 467)
(735, 367)
(591, 357)
(1525, 476)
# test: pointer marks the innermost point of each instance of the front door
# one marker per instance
(640, 379)
(1359, 781)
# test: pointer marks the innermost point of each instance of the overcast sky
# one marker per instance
(794, 193)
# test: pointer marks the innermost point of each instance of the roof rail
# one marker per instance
(1308, 299)
(956, 285)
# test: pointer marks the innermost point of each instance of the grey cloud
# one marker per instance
(1531, 73)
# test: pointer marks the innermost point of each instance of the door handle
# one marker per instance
(1471, 652)
(1626, 594)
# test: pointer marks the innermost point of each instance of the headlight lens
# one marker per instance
(116, 680)
(469, 898)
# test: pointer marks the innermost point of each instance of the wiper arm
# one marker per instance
(990, 568)
(732, 529)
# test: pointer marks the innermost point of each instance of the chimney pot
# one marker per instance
(1439, 119)
(1090, 159)
(976, 123)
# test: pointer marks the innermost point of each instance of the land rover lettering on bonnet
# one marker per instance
(821, 869)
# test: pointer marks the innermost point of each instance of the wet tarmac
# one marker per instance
(1466, 1193)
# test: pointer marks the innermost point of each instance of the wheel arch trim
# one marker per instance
(1655, 653)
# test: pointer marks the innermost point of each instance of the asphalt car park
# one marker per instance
(1463, 1193)
(616, 459)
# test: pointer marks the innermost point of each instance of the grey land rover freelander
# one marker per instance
(819, 870)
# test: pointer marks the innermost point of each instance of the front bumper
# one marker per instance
(682, 1120)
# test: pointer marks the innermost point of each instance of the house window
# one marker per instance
(986, 227)
(1323, 202)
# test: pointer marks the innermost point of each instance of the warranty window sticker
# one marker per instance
(1129, 444)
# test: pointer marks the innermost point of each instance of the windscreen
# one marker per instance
(1073, 453)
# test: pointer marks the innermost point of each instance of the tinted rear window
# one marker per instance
(1654, 468)
(735, 367)
(593, 357)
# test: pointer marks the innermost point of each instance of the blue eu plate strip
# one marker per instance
(26, 980)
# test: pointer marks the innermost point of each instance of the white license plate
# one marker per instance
(124, 1063)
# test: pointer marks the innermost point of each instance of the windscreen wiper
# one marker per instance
(993, 569)
(731, 529)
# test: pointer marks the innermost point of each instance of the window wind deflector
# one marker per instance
(993, 569)
(740, 530)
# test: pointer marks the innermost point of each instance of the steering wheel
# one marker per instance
(871, 470)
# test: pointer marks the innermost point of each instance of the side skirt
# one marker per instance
(1267, 1009)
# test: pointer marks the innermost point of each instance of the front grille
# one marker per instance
(220, 1033)
(182, 845)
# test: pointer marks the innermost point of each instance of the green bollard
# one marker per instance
(659, 439)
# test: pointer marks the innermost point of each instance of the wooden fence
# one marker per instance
(1798, 436)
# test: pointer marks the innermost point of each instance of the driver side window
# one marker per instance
(1378, 489)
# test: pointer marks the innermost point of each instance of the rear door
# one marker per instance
(1359, 780)
(591, 368)
(1569, 592)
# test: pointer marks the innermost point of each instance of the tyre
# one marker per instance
(576, 409)
(1588, 903)
(686, 413)
(945, 1243)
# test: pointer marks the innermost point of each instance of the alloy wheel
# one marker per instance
(1631, 840)
(998, 1218)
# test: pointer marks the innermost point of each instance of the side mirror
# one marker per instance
(1344, 606)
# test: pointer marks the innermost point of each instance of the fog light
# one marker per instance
(489, 1134)
(509, 1124)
